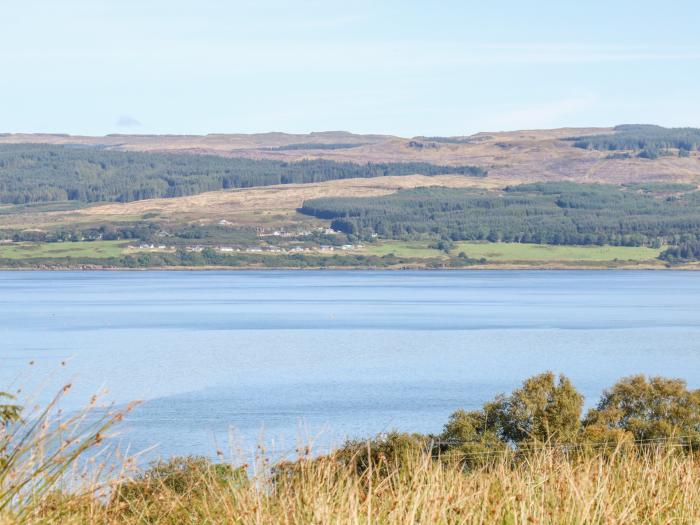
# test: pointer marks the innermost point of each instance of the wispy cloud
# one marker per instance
(550, 114)
(126, 121)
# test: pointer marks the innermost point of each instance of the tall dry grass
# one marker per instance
(45, 453)
(61, 469)
(654, 485)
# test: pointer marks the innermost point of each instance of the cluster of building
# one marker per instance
(272, 249)
(263, 232)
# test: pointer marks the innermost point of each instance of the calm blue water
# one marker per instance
(325, 355)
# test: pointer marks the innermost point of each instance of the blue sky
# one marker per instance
(401, 67)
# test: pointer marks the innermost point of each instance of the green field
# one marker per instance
(544, 252)
(92, 250)
(515, 252)
(501, 253)
(403, 249)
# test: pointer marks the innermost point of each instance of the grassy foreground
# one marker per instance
(523, 458)
(656, 487)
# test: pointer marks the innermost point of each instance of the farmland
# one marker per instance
(503, 252)
(33, 250)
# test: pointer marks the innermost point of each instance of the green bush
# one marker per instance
(383, 451)
(473, 437)
(546, 411)
(650, 409)
(542, 410)
(179, 475)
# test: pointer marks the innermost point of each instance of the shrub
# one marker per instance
(542, 410)
(384, 451)
(180, 475)
(473, 438)
(394, 477)
(648, 409)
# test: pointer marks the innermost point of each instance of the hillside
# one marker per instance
(42, 173)
(528, 156)
(246, 200)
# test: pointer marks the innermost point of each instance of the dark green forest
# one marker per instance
(684, 252)
(651, 141)
(552, 213)
(209, 257)
(33, 173)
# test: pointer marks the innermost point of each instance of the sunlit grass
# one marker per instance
(659, 486)
(47, 456)
(545, 252)
(58, 468)
(418, 249)
(87, 249)
(515, 252)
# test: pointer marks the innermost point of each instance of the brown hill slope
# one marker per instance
(519, 155)
(263, 206)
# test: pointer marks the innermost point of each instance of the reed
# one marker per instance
(62, 469)
(651, 485)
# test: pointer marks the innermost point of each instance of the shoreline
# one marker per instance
(482, 267)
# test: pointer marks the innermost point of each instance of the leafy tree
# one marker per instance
(647, 409)
(473, 437)
(444, 245)
(544, 409)
(649, 153)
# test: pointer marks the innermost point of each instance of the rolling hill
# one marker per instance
(160, 200)
(528, 156)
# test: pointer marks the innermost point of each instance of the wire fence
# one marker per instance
(690, 443)
(438, 447)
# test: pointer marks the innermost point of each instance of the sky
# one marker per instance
(400, 67)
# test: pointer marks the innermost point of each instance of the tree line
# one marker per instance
(650, 140)
(684, 252)
(34, 173)
(542, 213)
(210, 257)
(547, 411)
